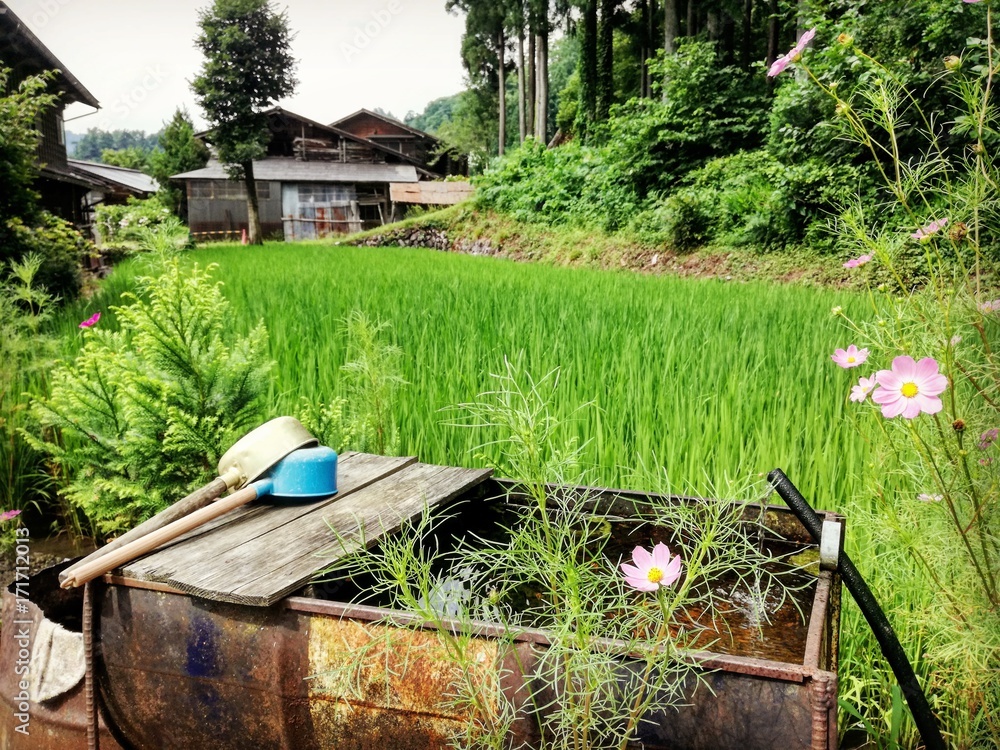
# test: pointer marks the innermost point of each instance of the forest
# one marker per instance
(668, 126)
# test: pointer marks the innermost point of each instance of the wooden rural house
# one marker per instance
(422, 147)
(63, 189)
(316, 180)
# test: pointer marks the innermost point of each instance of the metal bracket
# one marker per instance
(829, 545)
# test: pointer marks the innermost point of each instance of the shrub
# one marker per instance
(124, 229)
(146, 411)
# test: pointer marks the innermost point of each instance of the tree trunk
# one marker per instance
(542, 72)
(651, 47)
(670, 26)
(606, 59)
(502, 70)
(532, 93)
(644, 45)
(747, 46)
(691, 24)
(253, 209)
(521, 106)
(588, 62)
(712, 25)
(542, 76)
(728, 38)
(773, 32)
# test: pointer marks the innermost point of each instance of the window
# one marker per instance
(328, 195)
(228, 190)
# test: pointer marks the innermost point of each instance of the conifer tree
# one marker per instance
(179, 152)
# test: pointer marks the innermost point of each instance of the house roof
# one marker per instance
(131, 180)
(279, 112)
(15, 35)
(385, 118)
(285, 169)
(69, 177)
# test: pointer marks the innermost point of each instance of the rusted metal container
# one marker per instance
(177, 671)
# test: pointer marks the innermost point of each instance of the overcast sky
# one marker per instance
(137, 56)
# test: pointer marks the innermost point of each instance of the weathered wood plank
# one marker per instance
(268, 566)
(203, 549)
(359, 522)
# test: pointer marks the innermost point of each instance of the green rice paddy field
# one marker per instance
(702, 379)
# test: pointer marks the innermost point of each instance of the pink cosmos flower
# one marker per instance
(851, 357)
(910, 388)
(925, 498)
(7, 515)
(956, 340)
(860, 392)
(989, 306)
(933, 228)
(859, 261)
(91, 320)
(783, 62)
(652, 569)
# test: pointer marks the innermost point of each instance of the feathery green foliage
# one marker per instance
(146, 411)
(27, 352)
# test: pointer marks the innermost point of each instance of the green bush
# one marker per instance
(147, 411)
(124, 229)
(59, 245)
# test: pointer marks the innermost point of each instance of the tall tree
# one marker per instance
(522, 108)
(671, 28)
(502, 88)
(179, 152)
(606, 58)
(248, 67)
(588, 63)
(540, 29)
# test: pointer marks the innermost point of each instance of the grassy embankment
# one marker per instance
(594, 248)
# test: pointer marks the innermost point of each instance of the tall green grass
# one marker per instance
(702, 378)
(705, 379)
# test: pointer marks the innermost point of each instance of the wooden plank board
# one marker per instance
(203, 546)
(263, 568)
(359, 522)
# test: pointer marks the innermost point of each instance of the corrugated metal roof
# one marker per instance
(132, 179)
(293, 170)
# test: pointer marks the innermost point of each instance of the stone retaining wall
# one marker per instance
(431, 238)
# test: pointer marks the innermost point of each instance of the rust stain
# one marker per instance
(374, 682)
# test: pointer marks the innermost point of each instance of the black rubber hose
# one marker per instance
(923, 717)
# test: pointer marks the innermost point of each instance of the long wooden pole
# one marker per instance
(195, 501)
(171, 531)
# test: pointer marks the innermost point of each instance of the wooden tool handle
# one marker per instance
(195, 501)
(151, 541)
